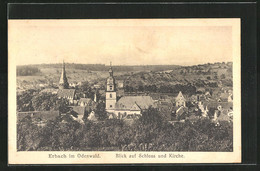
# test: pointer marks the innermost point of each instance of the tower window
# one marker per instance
(110, 95)
(110, 87)
(110, 105)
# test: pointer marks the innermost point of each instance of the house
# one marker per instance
(78, 111)
(217, 109)
(92, 116)
(180, 100)
(88, 103)
(223, 97)
(85, 101)
(179, 113)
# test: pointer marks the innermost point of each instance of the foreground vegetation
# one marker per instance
(148, 133)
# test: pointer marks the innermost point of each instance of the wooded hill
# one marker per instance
(197, 75)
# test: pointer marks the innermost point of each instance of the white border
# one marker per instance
(35, 157)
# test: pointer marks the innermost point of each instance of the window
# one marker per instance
(110, 105)
(110, 87)
(110, 95)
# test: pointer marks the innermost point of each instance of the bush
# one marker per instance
(149, 133)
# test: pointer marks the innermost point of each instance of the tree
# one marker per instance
(24, 100)
(140, 88)
(48, 101)
(222, 76)
(100, 111)
(86, 89)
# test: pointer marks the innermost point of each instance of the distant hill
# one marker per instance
(198, 75)
(149, 78)
(27, 71)
(102, 67)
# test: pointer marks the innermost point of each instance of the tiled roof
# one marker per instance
(180, 96)
(79, 110)
(65, 93)
(127, 102)
(181, 110)
(85, 100)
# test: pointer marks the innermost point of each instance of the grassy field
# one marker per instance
(52, 75)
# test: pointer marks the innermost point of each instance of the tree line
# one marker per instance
(27, 71)
(148, 133)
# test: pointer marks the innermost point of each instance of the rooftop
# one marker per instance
(142, 102)
(66, 92)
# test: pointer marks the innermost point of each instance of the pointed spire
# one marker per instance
(110, 69)
(63, 84)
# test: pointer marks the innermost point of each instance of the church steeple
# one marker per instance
(111, 70)
(111, 85)
(110, 91)
(63, 84)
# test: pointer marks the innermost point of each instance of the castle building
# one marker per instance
(63, 84)
(127, 107)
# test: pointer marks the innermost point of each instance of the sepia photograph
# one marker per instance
(117, 90)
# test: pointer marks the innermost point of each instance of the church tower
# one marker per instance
(63, 84)
(110, 91)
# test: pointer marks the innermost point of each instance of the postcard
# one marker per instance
(124, 91)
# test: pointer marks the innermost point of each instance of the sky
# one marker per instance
(121, 41)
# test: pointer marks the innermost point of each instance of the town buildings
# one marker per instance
(204, 103)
